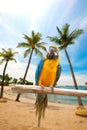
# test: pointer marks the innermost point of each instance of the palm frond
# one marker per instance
(43, 48)
(15, 53)
(33, 34)
(61, 47)
(23, 44)
(40, 45)
(66, 29)
(37, 38)
(38, 52)
(75, 34)
(12, 59)
(71, 42)
(7, 55)
(27, 52)
(4, 51)
(1, 61)
(1, 54)
(59, 31)
(55, 39)
(51, 38)
(38, 35)
(9, 50)
(32, 42)
(65, 38)
(27, 37)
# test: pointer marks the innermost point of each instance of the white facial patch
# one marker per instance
(55, 54)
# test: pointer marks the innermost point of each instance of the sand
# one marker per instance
(21, 115)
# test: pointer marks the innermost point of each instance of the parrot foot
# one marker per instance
(52, 89)
(42, 87)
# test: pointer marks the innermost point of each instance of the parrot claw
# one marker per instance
(42, 87)
(52, 89)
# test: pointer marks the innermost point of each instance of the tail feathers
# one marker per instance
(41, 104)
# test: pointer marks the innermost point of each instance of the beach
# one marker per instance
(21, 115)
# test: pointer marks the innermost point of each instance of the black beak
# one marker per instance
(52, 53)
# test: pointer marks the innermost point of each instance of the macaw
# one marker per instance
(47, 74)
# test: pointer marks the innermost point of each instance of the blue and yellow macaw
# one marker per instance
(47, 74)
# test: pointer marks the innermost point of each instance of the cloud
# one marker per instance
(17, 70)
(24, 6)
(21, 16)
(67, 79)
(79, 22)
(9, 33)
(83, 23)
(66, 11)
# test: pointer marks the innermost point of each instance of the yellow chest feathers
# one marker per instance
(48, 73)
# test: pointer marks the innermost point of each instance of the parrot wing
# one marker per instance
(58, 73)
(38, 70)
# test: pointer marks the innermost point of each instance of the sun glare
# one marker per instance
(24, 6)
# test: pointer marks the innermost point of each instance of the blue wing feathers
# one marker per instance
(38, 70)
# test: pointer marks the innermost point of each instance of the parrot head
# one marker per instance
(53, 53)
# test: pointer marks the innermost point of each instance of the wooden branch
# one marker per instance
(48, 90)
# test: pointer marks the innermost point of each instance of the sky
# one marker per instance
(19, 17)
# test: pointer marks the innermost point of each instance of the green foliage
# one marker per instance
(5, 83)
(7, 55)
(7, 80)
(10, 80)
(29, 83)
(33, 43)
(65, 38)
(14, 81)
(20, 81)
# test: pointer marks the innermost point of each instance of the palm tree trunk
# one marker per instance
(2, 85)
(27, 66)
(18, 96)
(73, 76)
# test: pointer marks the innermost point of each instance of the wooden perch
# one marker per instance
(48, 90)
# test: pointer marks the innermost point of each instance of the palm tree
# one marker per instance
(14, 81)
(64, 40)
(20, 81)
(7, 79)
(0, 77)
(6, 56)
(32, 44)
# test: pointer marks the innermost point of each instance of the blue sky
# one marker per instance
(19, 17)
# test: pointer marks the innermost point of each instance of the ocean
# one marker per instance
(61, 98)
